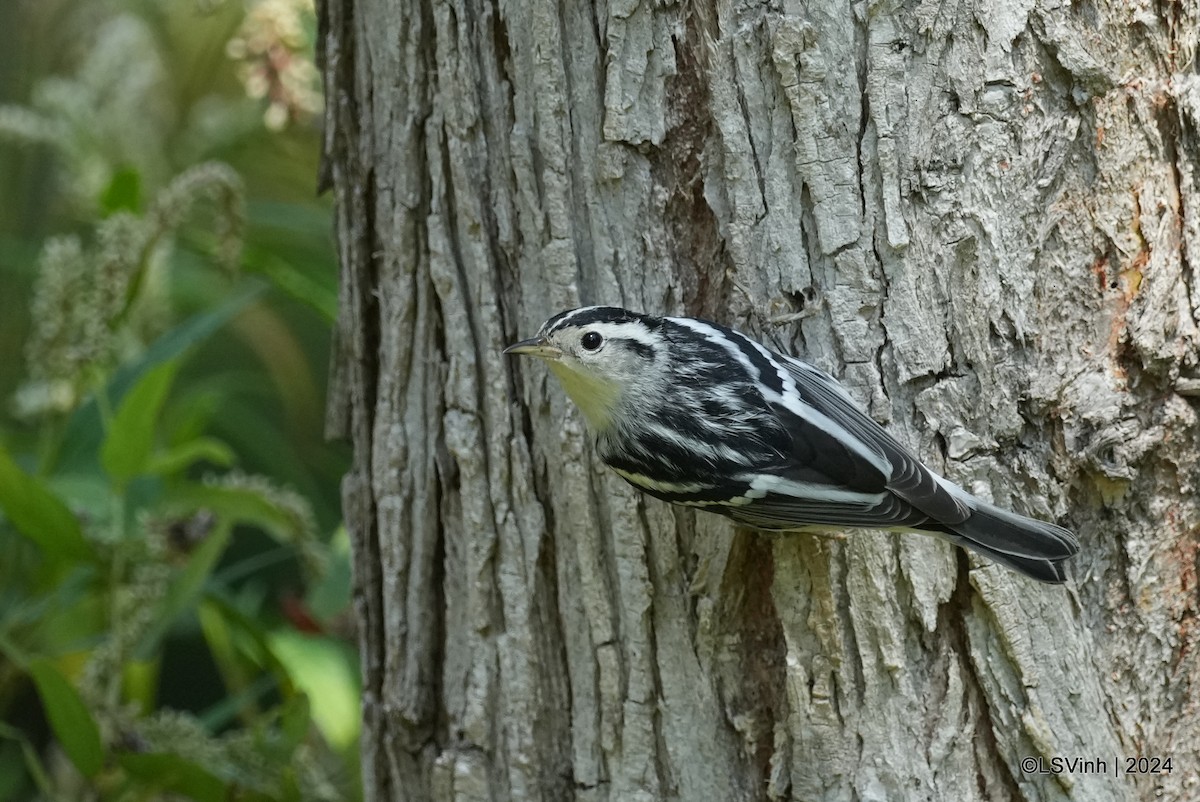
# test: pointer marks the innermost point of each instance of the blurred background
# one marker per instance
(174, 579)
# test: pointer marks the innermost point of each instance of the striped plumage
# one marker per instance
(695, 413)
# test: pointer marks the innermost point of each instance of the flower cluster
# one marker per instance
(272, 47)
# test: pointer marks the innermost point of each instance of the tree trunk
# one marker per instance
(981, 216)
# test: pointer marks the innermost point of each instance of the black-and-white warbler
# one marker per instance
(695, 413)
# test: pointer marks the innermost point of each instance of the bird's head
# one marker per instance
(604, 357)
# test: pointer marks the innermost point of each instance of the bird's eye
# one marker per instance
(591, 341)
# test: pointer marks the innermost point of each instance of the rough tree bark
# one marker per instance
(981, 215)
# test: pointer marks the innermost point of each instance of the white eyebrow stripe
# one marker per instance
(626, 331)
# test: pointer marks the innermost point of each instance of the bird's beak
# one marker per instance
(535, 346)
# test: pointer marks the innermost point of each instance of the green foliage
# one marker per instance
(73, 725)
(174, 579)
(130, 438)
(39, 515)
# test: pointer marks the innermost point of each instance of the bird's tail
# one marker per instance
(1035, 548)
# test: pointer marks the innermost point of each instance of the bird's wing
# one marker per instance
(782, 498)
(827, 415)
(789, 510)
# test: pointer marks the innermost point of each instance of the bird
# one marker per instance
(697, 414)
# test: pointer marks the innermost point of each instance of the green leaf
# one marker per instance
(247, 635)
(242, 691)
(286, 277)
(295, 715)
(39, 514)
(244, 505)
(73, 725)
(332, 593)
(184, 455)
(324, 670)
(126, 450)
(193, 408)
(124, 192)
(170, 772)
(69, 597)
